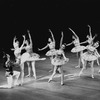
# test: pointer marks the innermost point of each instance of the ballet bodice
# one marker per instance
(76, 42)
(51, 45)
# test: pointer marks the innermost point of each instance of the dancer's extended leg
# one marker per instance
(54, 72)
(22, 73)
(29, 69)
(62, 75)
(92, 69)
(33, 69)
(84, 66)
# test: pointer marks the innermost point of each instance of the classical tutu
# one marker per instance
(78, 49)
(88, 57)
(51, 52)
(57, 61)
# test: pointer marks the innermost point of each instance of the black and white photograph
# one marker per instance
(49, 50)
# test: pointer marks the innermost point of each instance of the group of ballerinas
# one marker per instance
(87, 53)
(57, 56)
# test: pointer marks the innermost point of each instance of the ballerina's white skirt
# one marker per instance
(78, 49)
(51, 52)
(57, 61)
(26, 57)
(89, 57)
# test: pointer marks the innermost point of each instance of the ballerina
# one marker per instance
(90, 56)
(17, 50)
(58, 61)
(51, 46)
(10, 73)
(78, 47)
(90, 40)
(30, 58)
(29, 49)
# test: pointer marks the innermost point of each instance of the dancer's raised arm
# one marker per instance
(52, 35)
(90, 30)
(94, 37)
(31, 44)
(73, 33)
(14, 41)
(61, 40)
(23, 42)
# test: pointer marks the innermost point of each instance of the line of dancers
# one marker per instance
(88, 54)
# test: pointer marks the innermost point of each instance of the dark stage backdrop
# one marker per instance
(16, 16)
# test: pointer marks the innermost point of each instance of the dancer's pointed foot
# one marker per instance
(34, 77)
(28, 75)
(92, 76)
(49, 80)
(77, 66)
(50, 70)
(16, 84)
(62, 84)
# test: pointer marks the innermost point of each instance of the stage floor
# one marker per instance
(75, 88)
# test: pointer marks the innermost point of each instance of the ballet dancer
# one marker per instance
(58, 61)
(51, 46)
(30, 58)
(17, 50)
(78, 47)
(29, 49)
(90, 41)
(90, 56)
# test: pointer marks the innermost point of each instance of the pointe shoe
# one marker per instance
(16, 84)
(50, 70)
(77, 66)
(92, 76)
(34, 77)
(27, 75)
(62, 84)
(49, 80)
(9, 87)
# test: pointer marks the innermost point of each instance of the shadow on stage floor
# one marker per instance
(75, 88)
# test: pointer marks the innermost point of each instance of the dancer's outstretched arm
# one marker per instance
(69, 43)
(84, 42)
(43, 48)
(52, 35)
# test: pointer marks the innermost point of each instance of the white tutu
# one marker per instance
(78, 49)
(25, 57)
(89, 57)
(91, 48)
(35, 55)
(51, 52)
(57, 62)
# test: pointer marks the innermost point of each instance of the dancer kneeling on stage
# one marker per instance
(11, 82)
